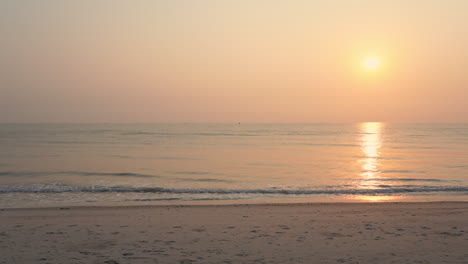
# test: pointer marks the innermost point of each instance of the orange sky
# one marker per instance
(233, 61)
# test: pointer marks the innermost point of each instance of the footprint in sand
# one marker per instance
(111, 261)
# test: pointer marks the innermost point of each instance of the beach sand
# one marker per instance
(281, 233)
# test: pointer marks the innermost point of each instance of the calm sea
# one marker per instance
(94, 164)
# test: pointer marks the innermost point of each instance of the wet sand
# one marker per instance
(287, 233)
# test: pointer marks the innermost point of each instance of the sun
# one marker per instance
(371, 63)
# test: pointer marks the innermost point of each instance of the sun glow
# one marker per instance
(371, 63)
(372, 66)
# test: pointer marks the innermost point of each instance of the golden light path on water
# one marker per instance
(371, 142)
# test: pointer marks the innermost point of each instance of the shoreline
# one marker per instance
(195, 205)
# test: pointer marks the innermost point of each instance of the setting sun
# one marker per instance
(371, 63)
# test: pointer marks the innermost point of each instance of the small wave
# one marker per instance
(204, 180)
(143, 133)
(22, 174)
(414, 147)
(64, 142)
(417, 135)
(175, 158)
(409, 180)
(456, 166)
(137, 133)
(384, 190)
(153, 199)
(121, 174)
(191, 172)
(148, 157)
(182, 199)
(378, 158)
(401, 171)
(197, 173)
(79, 173)
(325, 144)
(225, 134)
(268, 165)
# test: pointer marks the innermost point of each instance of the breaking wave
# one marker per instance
(382, 190)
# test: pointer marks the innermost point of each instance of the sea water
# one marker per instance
(96, 164)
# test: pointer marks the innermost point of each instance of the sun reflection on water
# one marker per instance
(370, 176)
(371, 142)
(378, 198)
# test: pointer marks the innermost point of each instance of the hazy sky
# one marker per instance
(233, 61)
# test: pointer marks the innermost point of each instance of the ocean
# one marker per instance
(46, 165)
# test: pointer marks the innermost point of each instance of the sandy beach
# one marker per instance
(282, 233)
